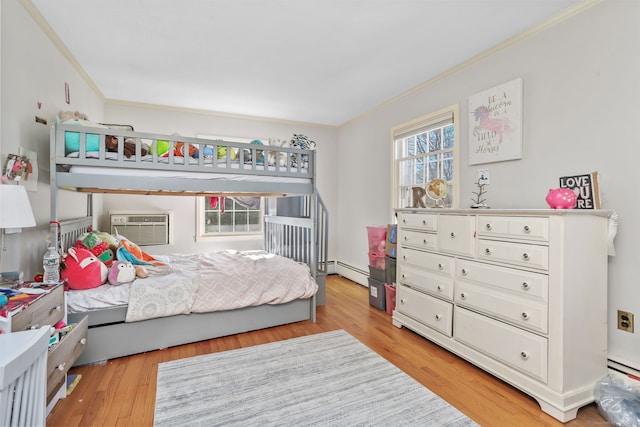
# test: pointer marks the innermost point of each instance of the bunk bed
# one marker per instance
(116, 160)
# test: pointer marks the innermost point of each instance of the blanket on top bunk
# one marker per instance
(199, 283)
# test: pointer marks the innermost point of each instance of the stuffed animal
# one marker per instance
(99, 248)
(303, 142)
(80, 269)
(272, 154)
(121, 272)
(111, 144)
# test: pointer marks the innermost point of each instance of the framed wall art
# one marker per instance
(495, 124)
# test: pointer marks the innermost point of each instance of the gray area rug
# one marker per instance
(327, 379)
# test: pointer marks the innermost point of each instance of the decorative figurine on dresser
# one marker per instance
(509, 291)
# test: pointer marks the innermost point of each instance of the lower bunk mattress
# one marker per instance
(201, 283)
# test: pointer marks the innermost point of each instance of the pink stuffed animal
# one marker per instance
(561, 198)
(121, 272)
(82, 270)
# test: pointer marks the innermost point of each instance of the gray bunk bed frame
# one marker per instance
(302, 238)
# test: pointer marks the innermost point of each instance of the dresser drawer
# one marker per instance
(47, 310)
(418, 220)
(456, 234)
(522, 228)
(63, 355)
(440, 285)
(525, 284)
(421, 240)
(514, 347)
(521, 312)
(426, 309)
(426, 260)
(533, 256)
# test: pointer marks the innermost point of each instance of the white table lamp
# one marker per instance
(15, 212)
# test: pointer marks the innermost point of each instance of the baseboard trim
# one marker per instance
(352, 273)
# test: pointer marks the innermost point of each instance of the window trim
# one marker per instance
(415, 125)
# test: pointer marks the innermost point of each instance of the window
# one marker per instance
(425, 149)
(231, 215)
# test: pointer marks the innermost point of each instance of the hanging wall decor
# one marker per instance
(495, 124)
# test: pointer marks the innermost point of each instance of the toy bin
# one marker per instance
(377, 260)
(378, 274)
(377, 295)
(390, 270)
(390, 294)
(377, 238)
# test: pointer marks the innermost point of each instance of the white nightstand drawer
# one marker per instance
(456, 234)
(428, 310)
(526, 284)
(533, 256)
(526, 228)
(434, 283)
(418, 220)
(519, 349)
(521, 312)
(417, 239)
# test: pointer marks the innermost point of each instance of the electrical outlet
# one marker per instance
(625, 321)
(483, 176)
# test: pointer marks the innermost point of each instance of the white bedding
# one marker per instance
(197, 283)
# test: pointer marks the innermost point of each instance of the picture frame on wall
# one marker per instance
(495, 124)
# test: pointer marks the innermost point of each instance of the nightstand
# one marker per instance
(49, 309)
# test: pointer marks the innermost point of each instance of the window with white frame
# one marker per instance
(425, 150)
(230, 215)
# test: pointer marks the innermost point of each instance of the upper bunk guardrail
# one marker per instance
(164, 153)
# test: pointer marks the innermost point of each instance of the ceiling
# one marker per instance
(314, 61)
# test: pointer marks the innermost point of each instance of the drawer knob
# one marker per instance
(404, 221)
(526, 229)
(526, 286)
(61, 366)
(525, 256)
(57, 308)
(424, 222)
(463, 295)
(440, 266)
(405, 238)
(487, 251)
(402, 301)
(404, 257)
(36, 326)
(488, 227)
(525, 315)
(438, 317)
(464, 271)
(404, 276)
(439, 288)
(83, 341)
(453, 235)
(424, 241)
(524, 355)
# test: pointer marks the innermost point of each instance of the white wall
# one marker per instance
(33, 71)
(191, 124)
(581, 92)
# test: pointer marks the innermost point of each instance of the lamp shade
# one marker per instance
(15, 209)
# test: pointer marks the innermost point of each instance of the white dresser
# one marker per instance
(520, 293)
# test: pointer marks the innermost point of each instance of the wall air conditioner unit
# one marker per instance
(143, 229)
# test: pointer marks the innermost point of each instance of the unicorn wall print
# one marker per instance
(495, 124)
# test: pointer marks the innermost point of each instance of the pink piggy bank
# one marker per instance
(561, 198)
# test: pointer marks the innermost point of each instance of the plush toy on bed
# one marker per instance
(111, 144)
(121, 272)
(80, 269)
(99, 248)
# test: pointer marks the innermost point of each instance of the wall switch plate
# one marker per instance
(625, 321)
(483, 176)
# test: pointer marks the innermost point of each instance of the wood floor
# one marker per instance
(121, 392)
